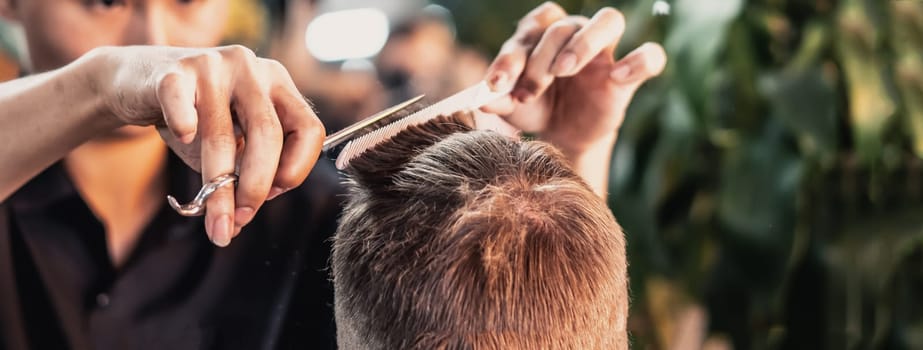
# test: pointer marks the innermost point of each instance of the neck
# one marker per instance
(121, 179)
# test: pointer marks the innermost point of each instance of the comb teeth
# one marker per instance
(357, 147)
(470, 98)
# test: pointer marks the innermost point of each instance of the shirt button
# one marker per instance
(102, 300)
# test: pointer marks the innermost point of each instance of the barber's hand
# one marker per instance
(197, 97)
(568, 87)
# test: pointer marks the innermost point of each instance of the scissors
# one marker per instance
(197, 206)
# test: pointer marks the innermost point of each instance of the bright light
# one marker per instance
(358, 65)
(661, 8)
(349, 34)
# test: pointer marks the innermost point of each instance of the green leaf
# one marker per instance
(868, 272)
(871, 108)
(907, 36)
(759, 181)
(654, 153)
(804, 101)
(674, 152)
(696, 38)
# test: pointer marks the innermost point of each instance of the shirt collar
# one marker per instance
(54, 185)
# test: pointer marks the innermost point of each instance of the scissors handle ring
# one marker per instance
(197, 206)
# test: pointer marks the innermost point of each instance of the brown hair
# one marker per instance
(460, 239)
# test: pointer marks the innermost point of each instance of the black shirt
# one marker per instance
(268, 289)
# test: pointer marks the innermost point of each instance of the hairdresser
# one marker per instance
(133, 102)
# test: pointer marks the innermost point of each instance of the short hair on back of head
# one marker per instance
(453, 238)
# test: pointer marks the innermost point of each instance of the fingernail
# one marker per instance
(621, 74)
(222, 235)
(499, 81)
(275, 192)
(565, 64)
(242, 216)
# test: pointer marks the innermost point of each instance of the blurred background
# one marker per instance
(770, 183)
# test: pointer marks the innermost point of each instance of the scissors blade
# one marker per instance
(346, 133)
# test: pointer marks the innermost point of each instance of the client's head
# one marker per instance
(459, 239)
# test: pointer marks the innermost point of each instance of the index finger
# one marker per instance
(303, 134)
(510, 62)
(600, 35)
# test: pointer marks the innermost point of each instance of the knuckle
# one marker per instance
(313, 120)
(288, 177)
(188, 61)
(203, 62)
(243, 58)
(562, 29)
(580, 48)
(238, 52)
(168, 82)
(304, 121)
(221, 201)
(314, 130)
(274, 66)
(209, 58)
(101, 51)
(267, 128)
(252, 195)
(220, 140)
(504, 61)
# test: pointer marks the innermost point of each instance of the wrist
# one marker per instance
(92, 76)
(591, 160)
(576, 148)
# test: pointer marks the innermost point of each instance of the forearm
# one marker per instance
(45, 116)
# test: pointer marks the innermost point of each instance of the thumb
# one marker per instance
(639, 66)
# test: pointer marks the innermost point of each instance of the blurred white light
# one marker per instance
(358, 65)
(348, 34)
(661, 8)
